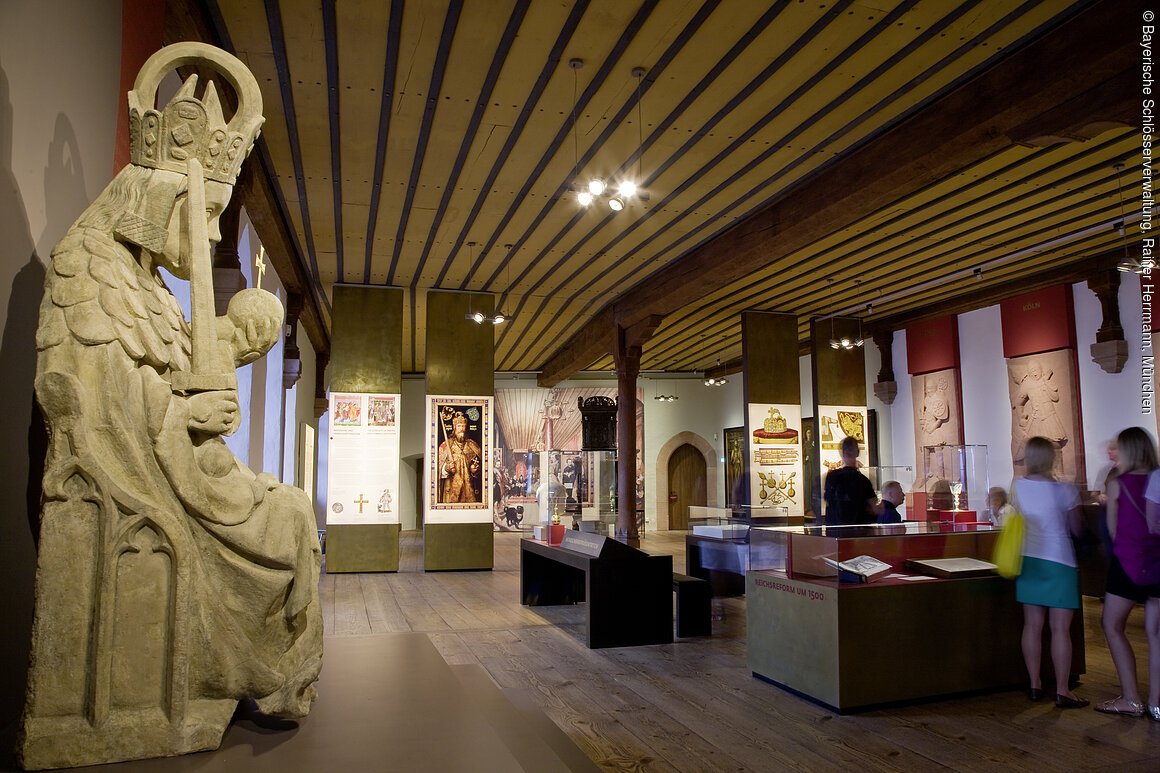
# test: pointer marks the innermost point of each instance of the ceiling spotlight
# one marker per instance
(979, 274)
(596, 186)
(584, 197)
(869, 309)
(498, 319)
(835, 343)
(627, 188)
(477, 317)
(615, 204)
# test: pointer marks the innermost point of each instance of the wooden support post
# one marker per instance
(627, 368)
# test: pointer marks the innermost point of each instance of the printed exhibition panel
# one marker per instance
(458, 459)
(363, 470)
(836, 422)
(775, 455)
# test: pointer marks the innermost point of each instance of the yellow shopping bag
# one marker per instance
(1008, 556)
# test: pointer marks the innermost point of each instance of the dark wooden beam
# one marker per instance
(1078, 270)
(1047, 78)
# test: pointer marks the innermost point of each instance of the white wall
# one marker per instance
(1109, 402)
(59, 71)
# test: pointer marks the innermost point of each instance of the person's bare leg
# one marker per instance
(1032, 642)
(1116, 610)
(1152, 627)
(1061, 649)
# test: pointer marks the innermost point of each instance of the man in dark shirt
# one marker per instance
(849, 495)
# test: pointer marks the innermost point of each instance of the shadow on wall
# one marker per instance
(23, 269)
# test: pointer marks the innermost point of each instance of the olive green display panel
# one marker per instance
(458, 546)
(769, 352)
(366, 346)
(372, 547)
(367, 340)
(460, 353)
(839, 374)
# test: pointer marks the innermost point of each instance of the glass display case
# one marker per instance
(800, 552)
(954, 485)
(733, 522)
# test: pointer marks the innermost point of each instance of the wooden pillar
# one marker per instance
(366, 353)
(460, 365)
(627, 357)
(1110, 351)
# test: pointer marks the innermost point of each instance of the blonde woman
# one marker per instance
(1133, 570)
(1048, 587)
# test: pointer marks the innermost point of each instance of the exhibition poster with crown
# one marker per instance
(458, 460)
(775, 457)
(363, 471)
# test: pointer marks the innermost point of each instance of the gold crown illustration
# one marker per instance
(775, 422)
(189, 127)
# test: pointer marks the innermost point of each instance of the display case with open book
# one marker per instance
(860, 616)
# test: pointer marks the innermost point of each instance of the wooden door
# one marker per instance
(687, 474)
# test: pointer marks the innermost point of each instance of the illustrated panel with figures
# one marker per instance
(458, 459)
(775, 457)
(363, 468)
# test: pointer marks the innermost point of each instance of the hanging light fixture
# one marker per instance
(662, 398)
(845, 342)
(478, 317)
(716, 380)
(597, 188)
(1127, 264)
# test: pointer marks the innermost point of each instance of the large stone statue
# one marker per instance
(172, 582)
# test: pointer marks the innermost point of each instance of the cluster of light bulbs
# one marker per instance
(666, 398)
(479, 318)
(597, 188)
(716, 381)
(846, 343)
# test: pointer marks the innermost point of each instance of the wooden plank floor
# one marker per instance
(694, 706)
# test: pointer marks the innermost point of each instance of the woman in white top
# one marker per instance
(1048, 587)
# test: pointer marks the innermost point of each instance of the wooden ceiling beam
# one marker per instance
(1047, 79)
(1070, 272)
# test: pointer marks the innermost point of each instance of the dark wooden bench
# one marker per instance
(694, 601)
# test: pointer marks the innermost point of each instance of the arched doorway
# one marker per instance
(687, 474)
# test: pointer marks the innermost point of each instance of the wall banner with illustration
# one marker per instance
(363, 471)
(836, 422)
(775, 457)
(458, 459)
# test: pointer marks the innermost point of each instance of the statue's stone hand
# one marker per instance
(214, 413)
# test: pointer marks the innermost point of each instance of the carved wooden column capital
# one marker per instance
(886, 388)
(291, 355)
(321, 359)
(228, 278)
(1110, 351)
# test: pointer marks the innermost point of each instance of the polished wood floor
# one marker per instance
(693, 705)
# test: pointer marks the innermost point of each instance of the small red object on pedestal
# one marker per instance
(555, 533)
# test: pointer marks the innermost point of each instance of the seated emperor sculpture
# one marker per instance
(172, 581)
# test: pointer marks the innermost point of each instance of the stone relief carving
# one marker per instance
(1043, 403)
(936, 418)
(172, 581)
